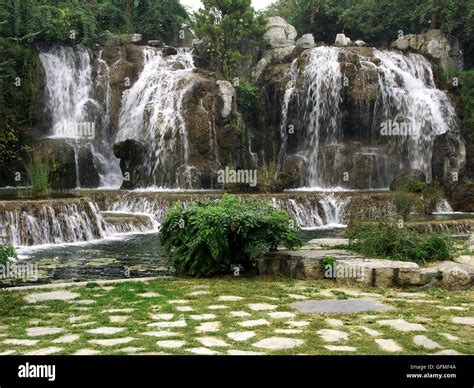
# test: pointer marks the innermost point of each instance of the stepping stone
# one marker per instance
(34, 322)
(40, 331)
(371, 332)
(336, 348)
(257, 322)
(388, 345)
(125, 310)
(7, 352)
(178, 301)
(131, 350)
(229, 298)
(281, 315)
(456, 308)
(202, 317)
(208, 327)
(334, 322)
(78, 318)
(118, 318)
(463, 320)
(198, 293)
(161, 334)
(184, 309)
(450, 337)
(212, 342)
(217, 307)
(168, 324)
(330, 335)
(20, 342)
(53, 295)
(272, 298)
(150, 294)
(298, 323)
(44, 351)
(170, 344)
(86, 352)
(162, 317)
(297, 297)
(240, 314)
(84, 301)
(287, 331)
(278, 343)
(411, 295)
(358, 294)
(447, 352)
(241, 335)
(203, 351)
(106, 330)
(67, 339)
(340, 306)
(424, 341)
(262, 306)
(402, 325)
(112, 341)
(244, 353)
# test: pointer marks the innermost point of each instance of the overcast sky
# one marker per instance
(196, 4)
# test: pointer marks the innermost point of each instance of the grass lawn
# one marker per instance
(217, 316)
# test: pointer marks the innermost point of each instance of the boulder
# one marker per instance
(407, 176)
(169, 50)
(455, 276)
(292, 173)
(279, 33)
(305, 42)
(88, 176)
(360, 43)
(342, 40)
(226, 96)
(462, 197)
(155, 43)
(132, 159)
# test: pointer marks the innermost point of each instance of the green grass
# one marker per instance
(18, 316)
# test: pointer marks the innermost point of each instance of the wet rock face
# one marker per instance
(131, 154)
(88, 177)
(449, 158)
(61, 153)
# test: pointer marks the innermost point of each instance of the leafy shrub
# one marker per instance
(430, 198)
(6, 253)
(404, 204)
(210, 236)
(248, 96)
(388, 241)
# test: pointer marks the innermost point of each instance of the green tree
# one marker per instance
(231, 28)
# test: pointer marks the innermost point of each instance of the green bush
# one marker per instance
(386, 240)
(248, 96)
(404, 204)
(38, 176)
(431, 197)
(212, 236)
(6, 253)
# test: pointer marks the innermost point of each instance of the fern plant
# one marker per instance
(212, 236)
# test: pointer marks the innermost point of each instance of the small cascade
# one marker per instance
(289, 92)
(75, 116)
(153, 114)
(65, 221)
(444, 207)
(334, 209)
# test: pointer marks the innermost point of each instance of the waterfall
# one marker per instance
(408, 95)
(334, 209)
(75, 116)
(289, 92)
(153, 113)
(407, 98)
(322, 98)
(65, 221)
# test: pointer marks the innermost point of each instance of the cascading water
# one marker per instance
(75, 115)
(406, 96)
(322, 99)
(153, 113)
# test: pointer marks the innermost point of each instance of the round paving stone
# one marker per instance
(253, 323)
(161, 334)
(44, 351)
(168, 324)
(422, 340)
(229, 298)
(202, 317)
(212, 342)
(388, 345)
(203, 351)
(241, 335)
(340, 306)
(162, 317)
(240, 314)
(330, 335)
(244, 353)
(112, 341)
(281, 315)
(41, 331)
(67, 339)
(106, 330)
(336, 348)
(170, 344)
(402, 325)
(262, 306)
(208, 327)
(463, 320)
